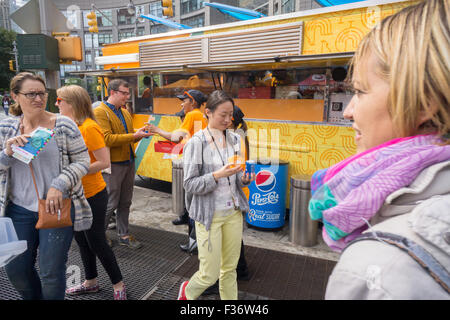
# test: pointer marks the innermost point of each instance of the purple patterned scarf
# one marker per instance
(351, 192)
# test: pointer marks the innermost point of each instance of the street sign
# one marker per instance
(29, 16)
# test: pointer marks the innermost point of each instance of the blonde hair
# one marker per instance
(16, 85)
(80, 101)
(412, 49)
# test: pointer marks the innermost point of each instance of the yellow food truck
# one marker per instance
(285, 72)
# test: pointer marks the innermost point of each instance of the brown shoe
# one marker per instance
(130, 242)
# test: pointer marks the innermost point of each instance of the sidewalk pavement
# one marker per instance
(152, 208)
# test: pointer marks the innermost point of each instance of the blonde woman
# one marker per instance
(73, 101)
(58, 168)
(397, 185)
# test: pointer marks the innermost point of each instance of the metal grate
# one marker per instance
(156, 271)
(141, 269)
(274, 275)
(241, 44)
(169, 286)
(170, 52)
(259, 43)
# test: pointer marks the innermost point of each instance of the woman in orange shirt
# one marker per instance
(73, 101)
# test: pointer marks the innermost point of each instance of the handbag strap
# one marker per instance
(31, 167)
(429, 263)
(34, 180)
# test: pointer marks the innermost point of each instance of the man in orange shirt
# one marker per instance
(194, 119)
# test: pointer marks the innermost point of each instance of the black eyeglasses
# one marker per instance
(124, 92)
(33, 95)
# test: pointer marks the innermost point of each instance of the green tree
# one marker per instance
(6, 54)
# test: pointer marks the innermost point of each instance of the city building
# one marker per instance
(6, 8)
(115, 22)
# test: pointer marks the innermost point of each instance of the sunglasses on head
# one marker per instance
(186, 93)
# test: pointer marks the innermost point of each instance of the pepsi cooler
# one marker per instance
(267, 199)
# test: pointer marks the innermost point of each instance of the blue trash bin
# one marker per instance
(267, 199)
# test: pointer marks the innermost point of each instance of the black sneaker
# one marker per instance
(190, 247)
(181, 220)
(243, 275)
(214, 289)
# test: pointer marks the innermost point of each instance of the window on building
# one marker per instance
(105, 37)
(102, 21)
(287, 6)
(194, 22)
(123, 17)
(126, 33)
(158, 28)
(88, 40)
(156, 9)
(140, 31)
(190, 5)
(253, 4)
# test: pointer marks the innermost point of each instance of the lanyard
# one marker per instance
(220, 155)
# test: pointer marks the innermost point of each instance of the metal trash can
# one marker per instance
(177, 187)
(302, 229)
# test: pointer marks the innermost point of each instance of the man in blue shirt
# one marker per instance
(117, 126)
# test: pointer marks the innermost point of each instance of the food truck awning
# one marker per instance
(301, 61)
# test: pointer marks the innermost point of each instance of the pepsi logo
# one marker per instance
(265, 181)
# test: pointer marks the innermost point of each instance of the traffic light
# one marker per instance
(11, 65)
(99, 84)
(167, 8)
(92, 17)
(69, 49)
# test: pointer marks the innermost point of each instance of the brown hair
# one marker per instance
(116, 84)
(16, 85)
(80, 101)
(216, 98)
(411, 48)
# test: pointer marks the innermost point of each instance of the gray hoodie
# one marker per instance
(375, 270)
(199, 182)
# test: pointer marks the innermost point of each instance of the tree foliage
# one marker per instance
(6, 54)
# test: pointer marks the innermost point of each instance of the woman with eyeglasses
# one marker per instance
(74, 102)
(58, 168)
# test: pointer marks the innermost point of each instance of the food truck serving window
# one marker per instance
(283, 94)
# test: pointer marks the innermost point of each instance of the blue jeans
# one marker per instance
(53, 246)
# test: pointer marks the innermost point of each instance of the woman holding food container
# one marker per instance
(217, 199)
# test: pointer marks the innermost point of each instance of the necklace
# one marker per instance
(236, 207)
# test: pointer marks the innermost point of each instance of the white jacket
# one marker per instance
(375, 270)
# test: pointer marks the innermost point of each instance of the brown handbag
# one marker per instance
(47, 220)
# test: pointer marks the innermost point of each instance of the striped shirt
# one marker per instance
(74, 163)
